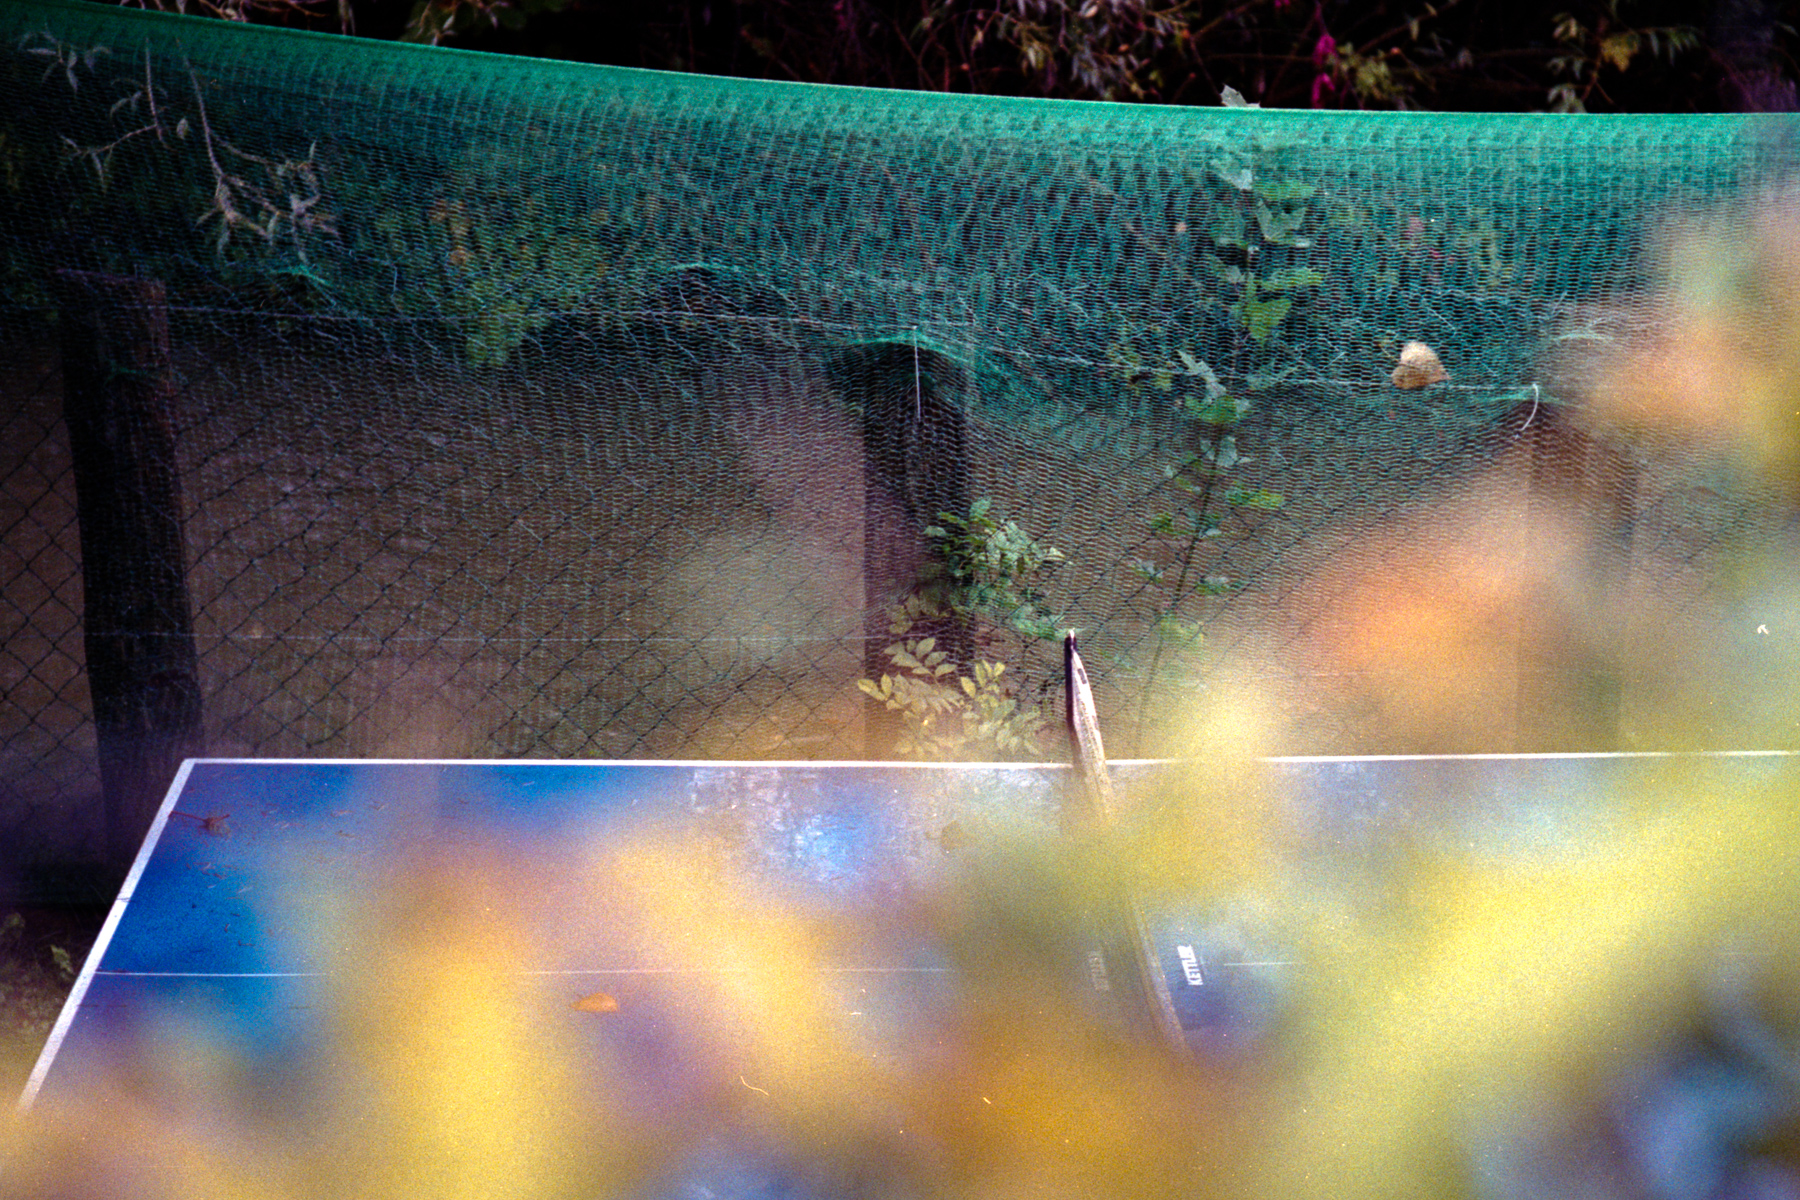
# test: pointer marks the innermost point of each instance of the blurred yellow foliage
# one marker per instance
(1720, 361)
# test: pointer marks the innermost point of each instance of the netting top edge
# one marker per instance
(18, 15)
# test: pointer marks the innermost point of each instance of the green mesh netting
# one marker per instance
(522, 408)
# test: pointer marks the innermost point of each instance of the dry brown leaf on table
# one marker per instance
(597, 1002)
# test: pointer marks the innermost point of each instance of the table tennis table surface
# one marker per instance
(217, 919)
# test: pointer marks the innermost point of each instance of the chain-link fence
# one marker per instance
(50, 782)
(438, 562)
(525, 409)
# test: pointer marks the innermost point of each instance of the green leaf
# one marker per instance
(1226, 274)
(1216, 410)
(1229, 230)
(1288, 278)
(1241, 497)
(1239, 175)
(1261, 317)
(1282, 193)
(1199, 366)
(1281, 225)
(1179, 631)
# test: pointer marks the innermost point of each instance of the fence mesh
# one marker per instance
(521, 408)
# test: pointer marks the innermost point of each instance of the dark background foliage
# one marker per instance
(1449, 55)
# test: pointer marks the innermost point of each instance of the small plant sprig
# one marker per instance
(951, 715)
(283, 201)
(1612, 42)
(984, 579)
(987, 568)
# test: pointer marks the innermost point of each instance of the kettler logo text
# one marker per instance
(1190, 965)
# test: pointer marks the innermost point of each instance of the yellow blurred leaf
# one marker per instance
(1619, 48)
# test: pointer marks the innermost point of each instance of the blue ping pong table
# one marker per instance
(219, 922)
